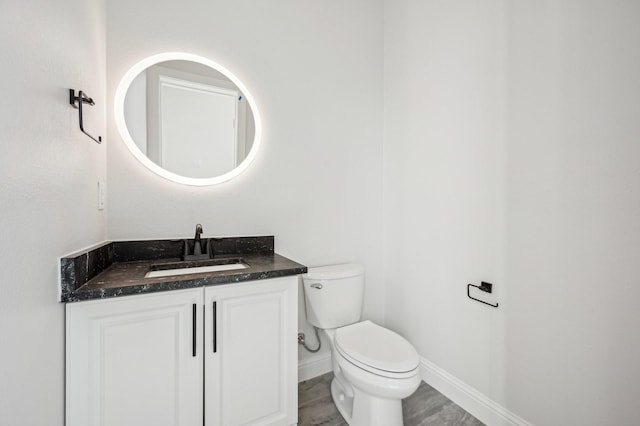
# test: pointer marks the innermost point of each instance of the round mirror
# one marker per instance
(187, 118)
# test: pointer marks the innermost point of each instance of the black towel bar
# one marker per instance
(82, 98)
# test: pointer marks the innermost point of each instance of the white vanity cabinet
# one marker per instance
(251, 368)
(130, 361)
(151, 359)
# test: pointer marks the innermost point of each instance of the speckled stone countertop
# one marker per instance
(119, 268)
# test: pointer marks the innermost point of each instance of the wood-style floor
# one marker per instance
(426, 407)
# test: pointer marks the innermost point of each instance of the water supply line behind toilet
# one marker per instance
(304, 344)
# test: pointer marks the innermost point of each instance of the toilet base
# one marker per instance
(343, 403)
(364, 409)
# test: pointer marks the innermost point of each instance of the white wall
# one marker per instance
(315, 69)
(48, 178)
(444, 171)
(511, 155)
(574, 202)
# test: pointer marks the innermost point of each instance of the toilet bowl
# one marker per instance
(374, 368)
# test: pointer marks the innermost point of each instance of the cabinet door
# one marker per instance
(131, 361)
(251, 372)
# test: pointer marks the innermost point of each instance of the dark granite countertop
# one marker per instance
(113, 269)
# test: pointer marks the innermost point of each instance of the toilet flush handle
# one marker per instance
(317, 286)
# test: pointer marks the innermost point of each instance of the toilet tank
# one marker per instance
(333, 295)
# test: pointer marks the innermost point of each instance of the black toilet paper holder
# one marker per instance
(484, 286)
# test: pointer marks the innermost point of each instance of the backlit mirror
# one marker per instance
(187, 118)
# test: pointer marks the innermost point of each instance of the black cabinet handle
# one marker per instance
(193, 331)
(215, 329)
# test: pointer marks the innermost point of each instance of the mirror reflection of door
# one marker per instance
(189, 119)
(197, 128)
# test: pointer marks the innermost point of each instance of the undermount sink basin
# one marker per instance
(184, 268)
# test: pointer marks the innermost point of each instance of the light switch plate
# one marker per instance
(100, 195)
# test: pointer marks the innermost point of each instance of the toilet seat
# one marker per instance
(377, 350)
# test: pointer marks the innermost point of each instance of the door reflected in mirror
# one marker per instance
(191, 119)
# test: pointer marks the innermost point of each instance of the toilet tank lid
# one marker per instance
(332, 272)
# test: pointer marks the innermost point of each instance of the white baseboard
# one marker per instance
(474, 402)
(314, 366)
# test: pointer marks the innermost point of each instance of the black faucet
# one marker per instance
(197, 243)
(201, 248)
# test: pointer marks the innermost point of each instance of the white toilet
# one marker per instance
(374, 368)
